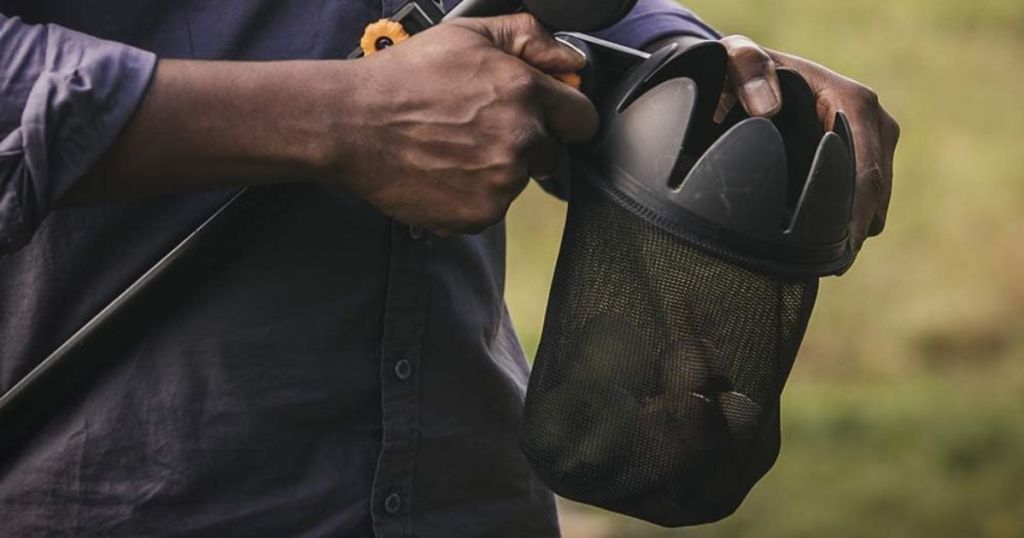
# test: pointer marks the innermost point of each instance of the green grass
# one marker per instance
(905, 414)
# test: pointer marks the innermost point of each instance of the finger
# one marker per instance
(872, 183)
(542, 157)
(877, 225)
(890, 139)
(725, 105)
(752, 73)
(522, 36)
(875, 135)
(535, 149)
(568, 114)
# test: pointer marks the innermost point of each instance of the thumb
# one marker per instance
(523, 36)
(752, 73)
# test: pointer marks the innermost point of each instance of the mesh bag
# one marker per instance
(656, 386)
(687, 274)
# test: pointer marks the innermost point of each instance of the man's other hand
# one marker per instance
(753, 81)
(448, 126)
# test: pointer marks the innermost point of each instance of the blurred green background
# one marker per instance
(905, 413)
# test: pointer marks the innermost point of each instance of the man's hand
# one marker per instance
(752, 79)
(440, 131)
(453, 122)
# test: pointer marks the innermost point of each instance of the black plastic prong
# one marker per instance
(740, 183)
(822, 214)
(841, 126)
(645, 142)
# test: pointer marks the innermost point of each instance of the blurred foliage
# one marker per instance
(905, 412)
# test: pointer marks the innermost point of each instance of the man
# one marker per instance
(348, 369)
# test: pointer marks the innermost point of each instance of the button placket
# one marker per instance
(404, 317)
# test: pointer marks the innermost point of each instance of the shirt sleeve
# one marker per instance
(652, 20)
(64, 98)
(649, 21)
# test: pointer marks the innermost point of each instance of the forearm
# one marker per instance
(212, 125)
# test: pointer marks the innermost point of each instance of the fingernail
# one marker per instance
(573, 48)
(759, 97)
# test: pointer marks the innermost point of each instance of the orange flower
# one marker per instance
(381, 35)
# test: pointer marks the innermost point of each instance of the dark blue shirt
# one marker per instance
(339, 375)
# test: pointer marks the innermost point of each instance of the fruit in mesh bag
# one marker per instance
(591, 402)
(694, 365)
(673, 430)
(613, 352)
(593, 431)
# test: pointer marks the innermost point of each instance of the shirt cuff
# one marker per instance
(66, 96)
(652, 20)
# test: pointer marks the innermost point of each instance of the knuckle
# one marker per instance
(508, 180)
(523, 41)
(525, 139)
(747, 52)
(536, 25)
(735, 40)
(484, 213)
(893, 127)
(867, 96)
(529, 25)
(499, 175)
(875, 182)
(751, 62)
(502, 179)
(521, 85)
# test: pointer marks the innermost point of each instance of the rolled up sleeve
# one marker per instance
(652, 20)
(64, 98)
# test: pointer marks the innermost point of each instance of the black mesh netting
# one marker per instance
(656, 386)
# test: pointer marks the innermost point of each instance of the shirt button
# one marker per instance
(393, 503)
(403, 369)
(415, 232)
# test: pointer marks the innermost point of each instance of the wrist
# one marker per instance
(329, 119)
(304, 112)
